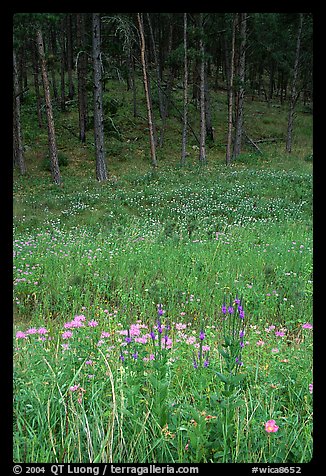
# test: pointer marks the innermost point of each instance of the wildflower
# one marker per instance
(224, 309)
(160, 310)
(275, 350)
(105, 334)
(93, 323)
(135, 355)
(206, 363)
(89, 362)
(201, 335)
(307, 326)
(260, 342)
(42, 330)
(66, 335)
(311, 387)
(21, 335)
(271, 427)
(179, 326)
(230, 310)
(80, 317)
(73, 388)
(128, 340)
(31, 331)
(279, 333)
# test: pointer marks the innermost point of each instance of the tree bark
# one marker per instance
(242, 65)
(230, 96)
(294, 96)
(18, 151)
(146, 88)
(53, 153)
(202, 146)
(81, 75)
(35, 61)
(62, 92)
(70, 56)
(101, 171)
(185, 92)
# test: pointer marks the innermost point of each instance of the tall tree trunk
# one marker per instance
(146, 88)
(54, 165)
(202, 146)
(70, 56)
(294, 95)
(208, 116)
(101, 171)
(18, 151)
(35, 61)
(230, 96)
(185, 92)
(157, 67)
(81, 75)
(242, 64)
(134, 87)
(63, 60)
(53, 43)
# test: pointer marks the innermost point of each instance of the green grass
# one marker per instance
(187, 237)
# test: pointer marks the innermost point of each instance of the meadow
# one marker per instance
(167, 316)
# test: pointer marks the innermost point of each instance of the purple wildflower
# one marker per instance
(202, 335)
(224, 309)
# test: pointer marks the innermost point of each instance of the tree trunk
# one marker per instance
(18, 151)
(230, 96)
(101, 172)
(185, 92)
(242, 64)
(35, 61)
(62, 92)
(70, 56)
(157, 67)
(81, 74)
(53, 43)
(54, 165)
(208, 116)
(202, 146)
(294, 95)
(146, 88)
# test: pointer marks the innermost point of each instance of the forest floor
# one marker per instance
(125, 381)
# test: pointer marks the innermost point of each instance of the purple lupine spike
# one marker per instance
(202, 335)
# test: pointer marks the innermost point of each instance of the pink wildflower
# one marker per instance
(66, 335)
(311, 387)
(93, 323)
(42, 330)
(307, 326)
(21, 335)
(271, 427)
